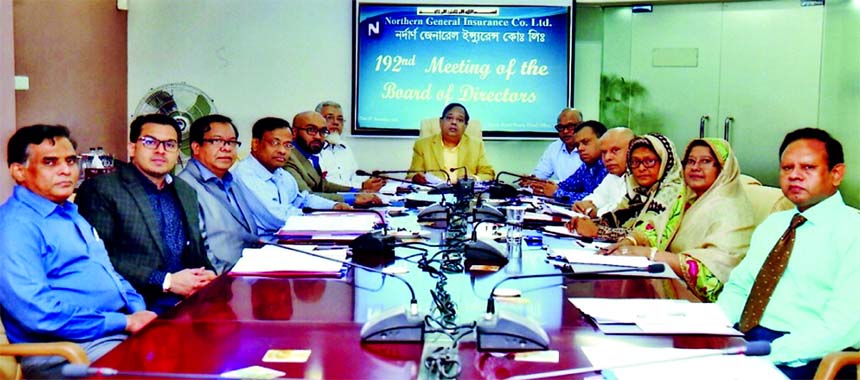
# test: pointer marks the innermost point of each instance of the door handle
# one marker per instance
(702, 121)
(726, 126)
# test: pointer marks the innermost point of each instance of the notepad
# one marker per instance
(272, 259)
(655, 316)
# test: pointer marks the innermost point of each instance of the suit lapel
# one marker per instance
(188, 201)
(438, 155)
(310, 172)
(138, 195)
(213, 190)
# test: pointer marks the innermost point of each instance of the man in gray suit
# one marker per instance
(148, 219)
(228, 225)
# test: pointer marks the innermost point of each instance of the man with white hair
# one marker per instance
(337, 159)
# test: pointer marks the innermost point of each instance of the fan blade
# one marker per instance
(200, 108)
(163, 101)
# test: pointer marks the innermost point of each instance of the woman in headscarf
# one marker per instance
(717, 221)
(651, 210)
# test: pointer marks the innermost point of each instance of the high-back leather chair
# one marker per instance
(430, 127)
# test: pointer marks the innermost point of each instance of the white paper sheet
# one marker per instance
(271, 258)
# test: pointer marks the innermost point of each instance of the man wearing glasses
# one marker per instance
(276, 195)
(57, 282)
(148, 219)
(309, 136)
(337, 160)
(560, 159)
(228, 224)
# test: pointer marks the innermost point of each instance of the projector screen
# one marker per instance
(510, 65)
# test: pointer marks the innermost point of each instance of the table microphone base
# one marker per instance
(396, 325)
(511, 332)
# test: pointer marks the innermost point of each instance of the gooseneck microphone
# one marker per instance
(368, 247)
(465, 172)
(77, 371)
(396, 325)
(386, 172)
(754, 348)
(517, 176)
(504, 331)
(388, 178)
(651, 268)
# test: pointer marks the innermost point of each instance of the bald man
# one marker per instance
(607, 195)
(309, 133)
(561, 159)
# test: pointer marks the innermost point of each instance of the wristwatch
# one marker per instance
(165, 286)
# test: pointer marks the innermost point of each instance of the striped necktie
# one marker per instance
(768, 276)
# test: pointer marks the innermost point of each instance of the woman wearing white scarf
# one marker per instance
(716, 225)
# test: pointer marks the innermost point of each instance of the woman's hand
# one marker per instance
(583, 226)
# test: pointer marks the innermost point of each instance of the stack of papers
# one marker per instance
(588, 254)
(274, 260)
(673, 363)
(655, 316)
(327, 226)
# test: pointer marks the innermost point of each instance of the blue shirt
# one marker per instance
(557, 162)
(581, 183)
(815, 300)
(277, 195)
(57, 282)
(224, 184)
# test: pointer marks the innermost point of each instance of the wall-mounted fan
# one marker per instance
(181, 101)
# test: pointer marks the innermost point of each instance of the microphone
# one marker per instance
(77, 371)
(369, 247)
(378, 174)
(398, 325)
(465, 172)
(499, 190)
(754, 348)
(447, 176)
(512, 332)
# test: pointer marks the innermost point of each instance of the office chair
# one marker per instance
(9, 367)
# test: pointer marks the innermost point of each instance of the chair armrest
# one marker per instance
(833, 362)
(68, 350)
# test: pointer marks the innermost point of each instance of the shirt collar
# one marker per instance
(260, 171)
(823, 211)
(40, 204)
(563, 148)
(302, 151)
(208, 176)
(148, 184)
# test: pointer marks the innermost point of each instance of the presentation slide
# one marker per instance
(509, 65)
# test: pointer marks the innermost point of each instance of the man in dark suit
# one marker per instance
(309, 136)
(148, 219)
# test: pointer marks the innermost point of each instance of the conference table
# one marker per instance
(234, 321)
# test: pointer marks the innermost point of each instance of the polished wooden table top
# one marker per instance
(233, 322)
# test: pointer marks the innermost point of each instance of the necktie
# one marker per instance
(768, 276)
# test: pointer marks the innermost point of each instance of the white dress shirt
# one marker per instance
(608, 194)
(338, 162)
(557, 163)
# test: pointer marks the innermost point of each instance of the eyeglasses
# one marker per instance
(277, 143)
(152, 143)
(313, 131)
(568, 127)
(703, 163)
(648, 163)
(221, 142)
(331, 118)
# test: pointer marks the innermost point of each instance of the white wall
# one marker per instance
(277, 58)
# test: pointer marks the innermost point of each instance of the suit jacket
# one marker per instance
(117, 206)
(226, 229)
(427, 155)
(309, 180)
